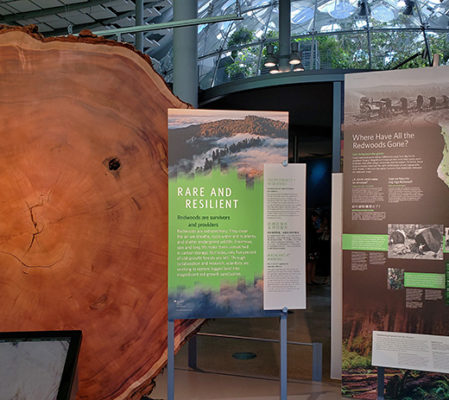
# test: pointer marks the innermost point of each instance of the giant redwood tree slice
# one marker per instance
(83, 204)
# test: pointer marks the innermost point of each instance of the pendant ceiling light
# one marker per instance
(271, 60)
(409, 4)
(295, 59)
(364, 8)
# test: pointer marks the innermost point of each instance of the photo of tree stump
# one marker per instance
(83, 204)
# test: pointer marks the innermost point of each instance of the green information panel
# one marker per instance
(424, 280)
(447, 284)
(216, 236)
(216, 218)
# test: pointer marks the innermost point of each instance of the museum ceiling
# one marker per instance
(354, 26)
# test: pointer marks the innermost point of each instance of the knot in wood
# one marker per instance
(114, 164)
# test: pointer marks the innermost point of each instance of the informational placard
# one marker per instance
(411, 351)
(284, 236)
(216, 185)
(395, 217)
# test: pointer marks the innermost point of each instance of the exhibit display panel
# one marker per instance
(284, 236)
(83, 200)
(216, 209)
(396, 219)
(411, 351)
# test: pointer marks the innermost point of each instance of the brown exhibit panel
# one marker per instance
(83, 204)
(395, 214)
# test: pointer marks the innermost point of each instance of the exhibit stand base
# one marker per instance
(317, 351)
(192, 361)
(204, 385)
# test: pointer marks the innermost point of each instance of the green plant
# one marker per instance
(349, 51)
(439, 44)
(388, 49)
(345, 391)
(244, 64)
(344, 51)
(238, 70)
(351, 359)
(239, 37)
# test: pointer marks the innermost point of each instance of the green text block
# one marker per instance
(424, 280)
(365, 242)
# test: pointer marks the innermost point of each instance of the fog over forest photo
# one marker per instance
(245, 143)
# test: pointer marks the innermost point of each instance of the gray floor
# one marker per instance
(223, 376)
(193, 385)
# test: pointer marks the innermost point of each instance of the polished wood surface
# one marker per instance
(83, 203)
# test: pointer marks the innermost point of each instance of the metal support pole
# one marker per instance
(192, 353)
(167, 25)
(262, 44)
(336, 127)
(423, 28)
(313, 48)
(139, 22)
(284, 35)
(283, 347)
(368, 34)
(221, 52)
(171, 361)
(370, 59)
(185, 53)
(426, 42)
(317, 363)
(380, 383)
(312, 53)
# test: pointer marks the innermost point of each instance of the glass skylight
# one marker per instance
(383, 13)
(330, 33)
(341, 10)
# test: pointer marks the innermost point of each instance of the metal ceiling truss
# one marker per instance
(153, 10)
(139, 28)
